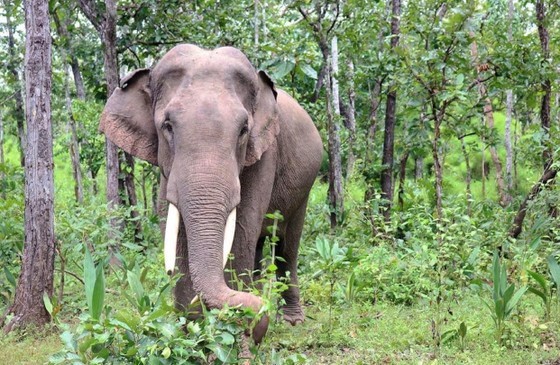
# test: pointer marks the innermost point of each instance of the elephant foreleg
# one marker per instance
(287, 268)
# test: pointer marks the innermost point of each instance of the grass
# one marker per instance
(365, 333)
(29, 348)
(389, 334)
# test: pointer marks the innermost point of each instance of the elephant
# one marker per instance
(230, 148)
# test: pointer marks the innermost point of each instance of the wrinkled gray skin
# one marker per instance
(223, 137)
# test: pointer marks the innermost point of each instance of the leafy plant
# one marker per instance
(459, 333)
(504, 296)
(332, 258)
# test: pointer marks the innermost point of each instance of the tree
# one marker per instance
(36, 277)
(106, 25)
(505, 197)
(540, 9)
(322, 33)
(105, 22)
(390, 116)
(69, 58)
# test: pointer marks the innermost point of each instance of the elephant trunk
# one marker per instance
(205, 206)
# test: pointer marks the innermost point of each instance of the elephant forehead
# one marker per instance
(203, 106)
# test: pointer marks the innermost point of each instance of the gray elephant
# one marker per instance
(230, 148)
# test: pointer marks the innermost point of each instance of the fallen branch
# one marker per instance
(548, 175)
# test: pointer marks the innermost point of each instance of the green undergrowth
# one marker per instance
(380, 333)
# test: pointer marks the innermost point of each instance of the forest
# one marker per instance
(432, 231)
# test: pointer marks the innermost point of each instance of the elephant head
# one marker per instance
(201, 116)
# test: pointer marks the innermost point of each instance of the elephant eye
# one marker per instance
(243, 130)
(166, 126)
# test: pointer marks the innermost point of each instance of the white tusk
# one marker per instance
(229, 233)
(170, 242)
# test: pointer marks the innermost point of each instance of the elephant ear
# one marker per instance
(265, 120)
(127, 119)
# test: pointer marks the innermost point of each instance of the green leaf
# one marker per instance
(135, 285)
(10, 277)
(508, 293)
(282, 68)
(68, 340)
(226, 338)
(515, 299)
(89, 277)
(166, 353)
(98, 294)
(463, 330)
(48, 303)
(539, 293)
(554, 269)
(308, 71)
(539, 278)
(497, 278)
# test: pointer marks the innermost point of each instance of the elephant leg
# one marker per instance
(257, 182)
(184, 292)
(258, 258)
(287, 269)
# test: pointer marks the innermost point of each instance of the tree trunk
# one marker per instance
(19, 114)
(402, 178)
(505, 198)
(336, 196)
(74, 145)
(333, 76)
(517, 226)
(509, 112)
(131, 193)
(36, 277)
(350, 117)
(390, 117)
(2, 159)
(468, 178)
(109, 36)
(546, 84)
(418, 168)
(256, 24)
(438, 171)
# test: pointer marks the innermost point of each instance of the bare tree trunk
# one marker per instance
(438, 171)
(373, 115)
(483, 169)
(2, 160)
(74, 146)
(18, 96)
(505, 198)
(131, 193)
(418, 168)
(517, 226)
(468, 178)
(509, 113)
(36, 277)
(351, 120)
(333, 76)
(515, 139)
(390, 118)
(256, 24)
(112, 79)
(336, 195)
(106, 25)
(402, 178)
(546, 84)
